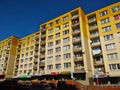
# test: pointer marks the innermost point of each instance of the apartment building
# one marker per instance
(104, 42)
(7, 56)
(27, 57)
(65, 41)
(75, 45)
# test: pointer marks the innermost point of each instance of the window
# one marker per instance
(31, 47)
(50, 31)
(58, 49)
(49, 59)
(21, 61)
(50, 51)
(118, 25)
(67, 47)
(57, 66)
(116, 8)
(110, 46)
(67, 65)
(67, 56)
(65, 25)
(103, 13)
(57, 28)
(65, 18)
(105, 29)
(25, 65)
(49, 67)
(50, 37)
(50, 44)
(57, 21)
(112, 56)
(117, 17)
(26, 54)
(96, 51)
(51, 24)
(30, 64)
(66, 32)
(118, 34)
(108, 37)
(58, 57)
(26, 59)
(22, 55)
(66, 40)
(114, 66)
(30, 58)
(57, 35)
(58, 42)
(31, 53)
(106, 20)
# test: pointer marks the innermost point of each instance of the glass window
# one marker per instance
(50, 44)
(57, 35)
(50, 37)
(50, 31)
(49, 67)
(118, 34)
(58, 57)
(110, 46)
(58, 49)
(112, 56)
(117, 17)
(49, 59)
(57, 21)
(105, 29)
(57, 42)
(108, 37)
(57, 28)
(67, 56)
(116, 8)
(57, 66)
(106, 20)
(104, 13)
(66, 39)
(50, 51)
(118, 25)
(67, 47)
(114, 66)
(67, 65)
(65, 18)
(65, 25)
(66, 32)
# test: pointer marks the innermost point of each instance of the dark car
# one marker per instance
(42, 86)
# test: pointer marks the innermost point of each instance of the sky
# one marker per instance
(23, 17)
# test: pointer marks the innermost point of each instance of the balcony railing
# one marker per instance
(95, 44)
(79, 69)
(76, 40)
(77, 49)
(92, 20)
(94, 35)
(97, 63)
(76, 59)
(76, 32)
(92, 28)
(75, 16)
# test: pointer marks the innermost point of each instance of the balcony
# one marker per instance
(97, 44)
(75, 24)
(92, 28)
(79, 69)
(35, 61)
(76, 40)
(42, 72)
(42, 56)
(37, 37)
(76, 59)
(43, 30)
(42, 64)
(94, 35)
(75, 16)
(42, 43)
(42, 49)
(36, 54)
(37, 43)
(43, 36)
(36, 48)
(77, 49)
(92, 20)
(98, 63)
(35, 67)
(76, 32)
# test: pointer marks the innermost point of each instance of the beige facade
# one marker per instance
(84, 44)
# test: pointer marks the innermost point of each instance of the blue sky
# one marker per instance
(23, 17)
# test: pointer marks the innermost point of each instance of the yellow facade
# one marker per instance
(75, 42)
